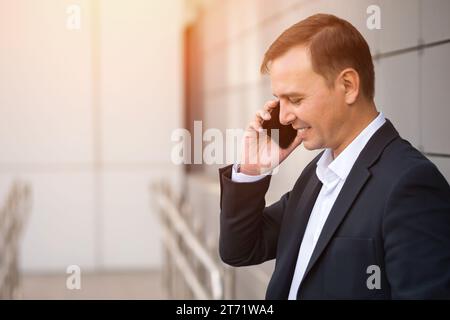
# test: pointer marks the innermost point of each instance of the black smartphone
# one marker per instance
(286, 134)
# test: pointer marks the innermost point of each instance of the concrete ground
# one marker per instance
(120, 285)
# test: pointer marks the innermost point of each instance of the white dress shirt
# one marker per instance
(332, 173)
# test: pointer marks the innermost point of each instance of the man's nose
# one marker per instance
(286, 116)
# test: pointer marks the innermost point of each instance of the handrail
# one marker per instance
(12, 219)
(184, 266)
(197, 248)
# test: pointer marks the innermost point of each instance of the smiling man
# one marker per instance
(370, 202)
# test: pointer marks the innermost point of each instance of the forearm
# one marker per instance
(247, 233)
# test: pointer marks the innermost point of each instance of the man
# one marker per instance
(369, 217)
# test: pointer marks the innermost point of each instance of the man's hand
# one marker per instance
(260, 153)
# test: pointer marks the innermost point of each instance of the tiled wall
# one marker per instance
(86, 118)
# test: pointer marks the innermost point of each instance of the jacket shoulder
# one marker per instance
(400, 160)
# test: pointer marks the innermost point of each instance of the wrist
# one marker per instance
(250, 170)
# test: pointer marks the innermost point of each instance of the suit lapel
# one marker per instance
(294, 233)
(302, 213)
(356, 180)
(352, 186)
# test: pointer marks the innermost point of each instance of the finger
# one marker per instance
(255, 126)
(250, 134)
(250, 148)
(263, 114)
(271, 104)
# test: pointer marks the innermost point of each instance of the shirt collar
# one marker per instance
(329, 169)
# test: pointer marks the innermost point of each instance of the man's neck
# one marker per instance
(358, 123)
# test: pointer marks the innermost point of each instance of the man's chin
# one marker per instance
(310, 145)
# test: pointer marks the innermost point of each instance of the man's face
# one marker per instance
(306, 101)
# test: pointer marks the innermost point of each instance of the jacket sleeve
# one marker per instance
(248, 230)
(416, 231)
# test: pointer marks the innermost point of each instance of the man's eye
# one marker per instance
(295, 101)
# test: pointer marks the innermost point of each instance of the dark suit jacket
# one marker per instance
(393, 212)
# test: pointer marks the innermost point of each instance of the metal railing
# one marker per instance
(192, 266)
(13, 216)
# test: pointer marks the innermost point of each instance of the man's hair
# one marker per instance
(334, 44)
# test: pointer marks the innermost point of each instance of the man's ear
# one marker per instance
(348, 80)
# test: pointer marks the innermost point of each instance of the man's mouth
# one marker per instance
(303, 129)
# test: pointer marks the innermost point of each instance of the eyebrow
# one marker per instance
(289, 94)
